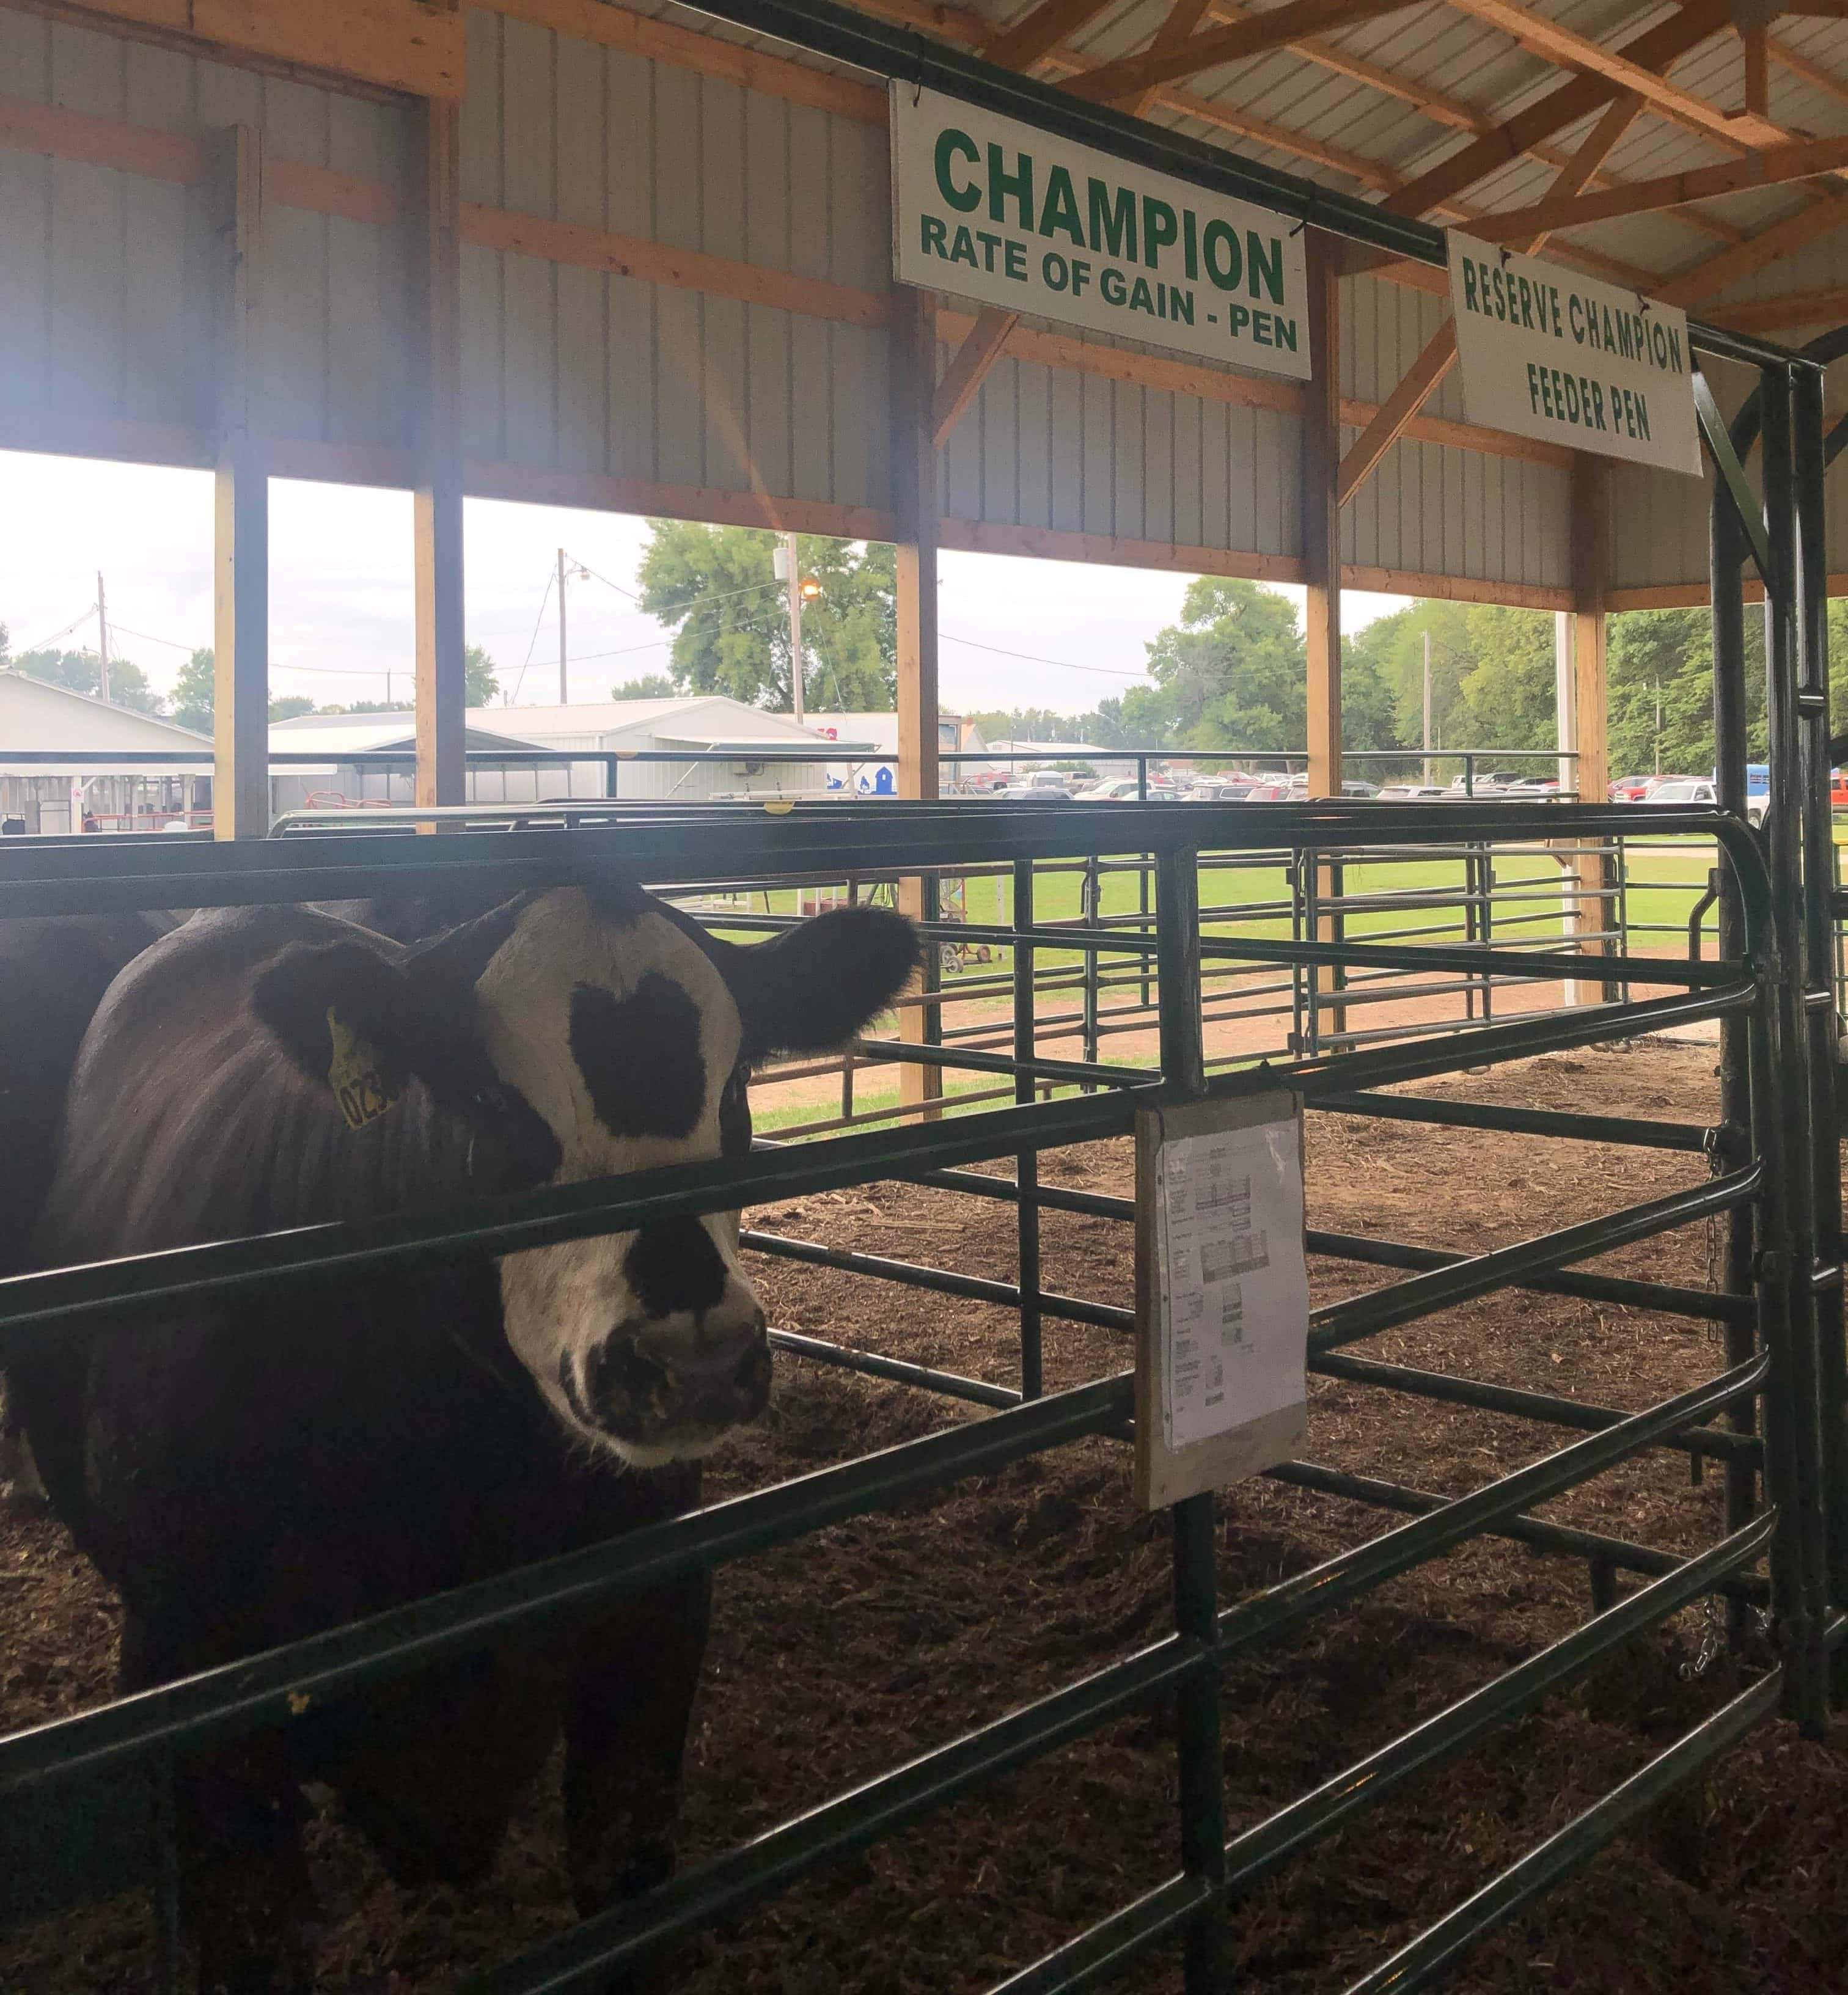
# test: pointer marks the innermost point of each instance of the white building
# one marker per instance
(718, 744)
(712, 738)
(333, 777)
(109, 778)
(879, 732)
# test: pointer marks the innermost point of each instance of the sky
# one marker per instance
(1015, 632)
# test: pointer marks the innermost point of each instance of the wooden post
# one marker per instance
(436, 262)
(240, 788)
(1322, 571)
(1322, 518)
(1590, 491)
(914, 460)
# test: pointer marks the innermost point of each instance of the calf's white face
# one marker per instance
(585, 1034)
(624, 1039)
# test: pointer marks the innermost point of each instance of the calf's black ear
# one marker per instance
(352, 1019)
(817, 984)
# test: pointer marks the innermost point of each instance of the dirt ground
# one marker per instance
(838, 1658)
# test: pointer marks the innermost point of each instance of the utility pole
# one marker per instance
(102, 637)
(789, 571)
(1427, 709)
(564, 696)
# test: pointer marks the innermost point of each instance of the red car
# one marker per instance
(1631, 789)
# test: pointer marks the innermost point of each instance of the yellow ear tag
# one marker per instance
(357, 1075)
(778, 810)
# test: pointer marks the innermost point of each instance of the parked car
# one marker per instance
(1355, 788)
(1629, 789)
(1489, 782)
(1122, 790)
(1414, 793)
(1275, 793)
(1683, 789)
(1044, 786)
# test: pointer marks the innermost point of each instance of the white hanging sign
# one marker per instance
(1548, 354)
(1011, 216)
(1222, 1293)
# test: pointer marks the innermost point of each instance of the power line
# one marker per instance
(1033, 658)
(551, 577)
(56, 635)
(116, 624)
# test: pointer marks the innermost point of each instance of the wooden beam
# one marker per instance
(240, 790)
(1415, 386)
(435, 263)
(617, 27)
(1561, 108)
(1790, 308)
(1021, 45)
(1215, 47)
(1321, 516)
(1454, 587)
(1775, 166)
(1183, 17)
(1755, 45)
(963, 378)
(388, 469)
(1590, 558)
(982, 536)
(913, 345)
(1693, 595)
(394, 45)
(1422, 377)
(655, 262)
(1557, 43)
(1250, 391)
(1726, 267)
(1810, 71)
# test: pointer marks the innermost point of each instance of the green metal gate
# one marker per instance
(87, 1804)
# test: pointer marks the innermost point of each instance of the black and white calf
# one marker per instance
(248, 1475)
(53, 971)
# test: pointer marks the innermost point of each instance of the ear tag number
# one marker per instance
(357, 1075)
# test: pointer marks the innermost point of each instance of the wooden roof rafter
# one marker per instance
(962, 26)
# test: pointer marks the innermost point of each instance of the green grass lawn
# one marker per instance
(1662, 880)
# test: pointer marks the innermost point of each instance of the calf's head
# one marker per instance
(586, 1033)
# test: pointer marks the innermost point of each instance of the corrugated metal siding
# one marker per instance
(103, 298)
(571, 369)
(102, 295)
(1050, 447)
(1659, 522)
(1430, 508)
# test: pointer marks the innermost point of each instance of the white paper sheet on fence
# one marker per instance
(1235, 1288)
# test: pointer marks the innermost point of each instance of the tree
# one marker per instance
(81, 671)
(1659, 670)
(480, 676)
(194, 691)
(1233, 674)
(651, 685)
(718, 585)
(289, 706)
(1032, 723)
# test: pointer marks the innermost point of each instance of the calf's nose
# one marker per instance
(720, 1358)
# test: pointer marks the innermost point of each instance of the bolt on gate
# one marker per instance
(86, 1803)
